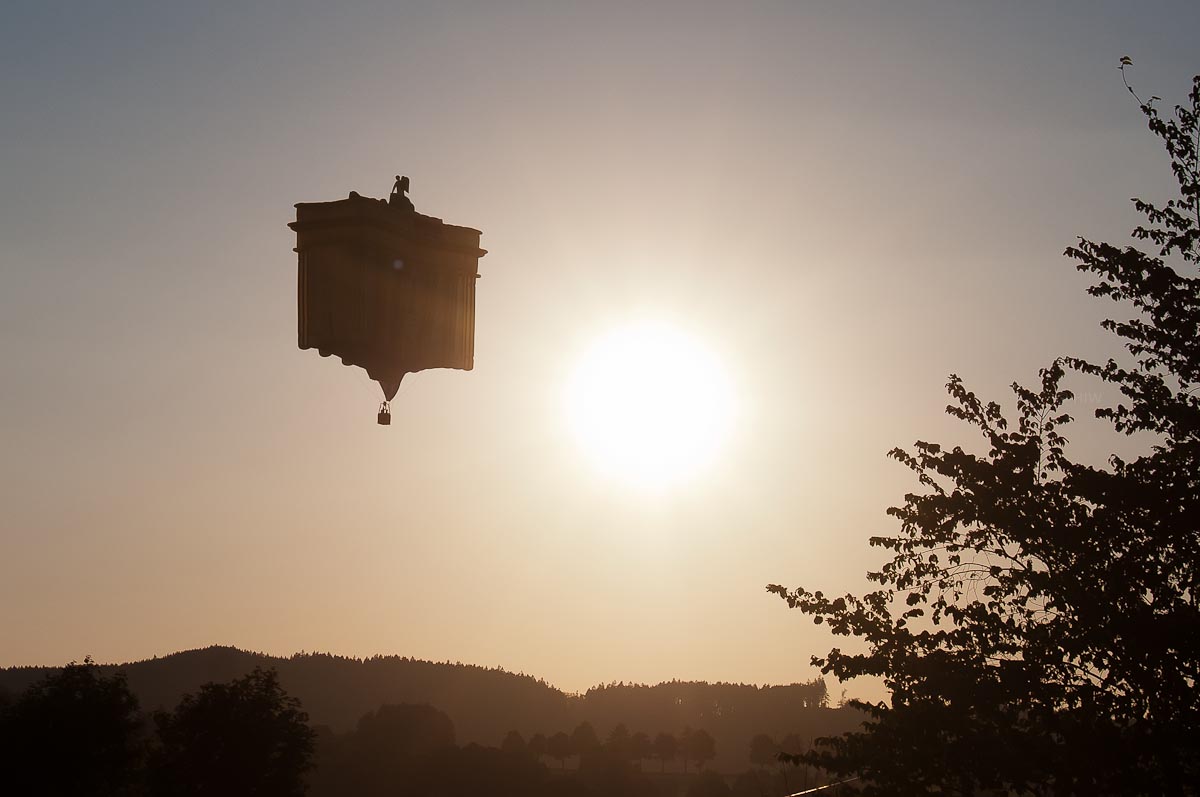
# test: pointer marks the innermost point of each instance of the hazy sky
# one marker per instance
(845, 202)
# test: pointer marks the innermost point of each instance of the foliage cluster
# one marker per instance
(1037, 622)
(486, 703)
(79, 731)
(621, 746)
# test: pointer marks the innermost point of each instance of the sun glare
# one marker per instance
(649, 404)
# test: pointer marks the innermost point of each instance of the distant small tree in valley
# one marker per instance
(685, 746)
(389, 746)
(763, 751)
(246, 737)
(619, 743)
(641, 747)
(666, 748)
(791, 753)
(403, 731)
(514, 744)
(584, 739)
(75, 732)
(792, 745)
(700, 747)
(537, 745)
(558, 747)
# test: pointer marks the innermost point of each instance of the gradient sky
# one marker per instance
(845, 201)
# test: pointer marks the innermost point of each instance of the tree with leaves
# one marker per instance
(584, 740)
(77, 731)
(685, 745)
(763, 751)
(514, 744)
(619, 743)
(537, 745)
(666, 748)
(246, 737)
(1037, 622)
(700, 747)
(640, 747)
(558, 747)
(791, 751)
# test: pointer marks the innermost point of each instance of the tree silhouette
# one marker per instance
(640, 747)
(666, 748)
(537, 745)
(74, 732)
(584, 739)
(403, 731)
(685, 746)
(763, 751)
(558, 747)
(1036, 625)
(246, 737)
(791, 751)
(486, 703)
(700, 747)
(390, 745)
(620, 743)
(514, 744)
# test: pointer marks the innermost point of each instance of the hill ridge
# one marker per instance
(485, 703)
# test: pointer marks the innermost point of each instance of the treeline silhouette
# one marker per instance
(691, 746)
(485, 704)
(80, 730)
(411, 750)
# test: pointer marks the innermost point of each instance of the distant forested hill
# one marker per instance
(487, 703)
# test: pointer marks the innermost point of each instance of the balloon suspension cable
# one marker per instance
(385, 414)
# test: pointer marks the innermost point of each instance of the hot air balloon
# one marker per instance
(385, 288)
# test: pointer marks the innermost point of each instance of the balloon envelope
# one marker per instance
(385, 288)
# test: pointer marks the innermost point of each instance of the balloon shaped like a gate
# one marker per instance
(385, 288)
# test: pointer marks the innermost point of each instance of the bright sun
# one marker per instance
(649, 404)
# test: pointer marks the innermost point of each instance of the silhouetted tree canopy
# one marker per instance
(763, 751)
(640, 746)
(558, 747)
(403, 732)
(514, 744)
(248, 737)
(391, 745)
(620, 742)
(74, 732)
(245, 737)
(1037, 623)
(486, 703)
(666, 748)
(700, 747)
(584, 739)
(537, 745)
